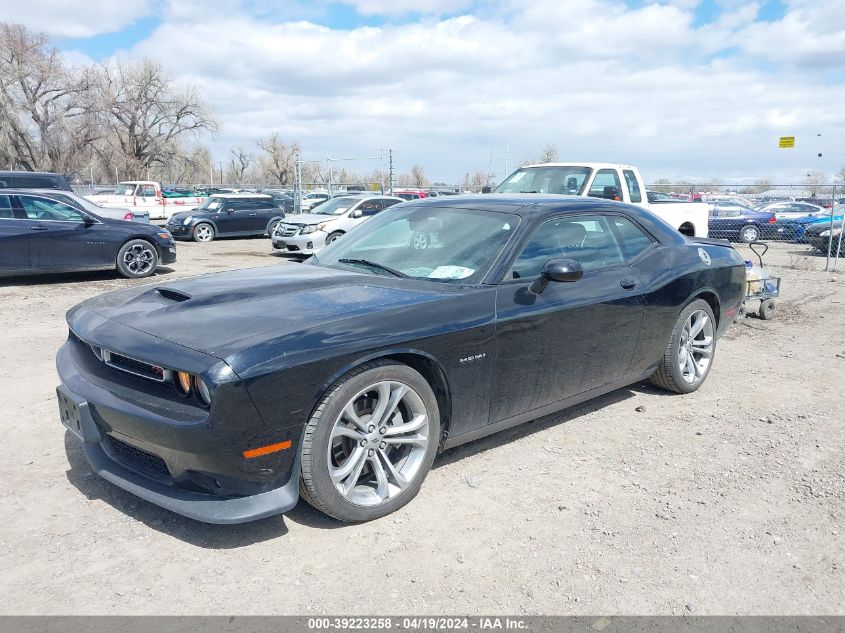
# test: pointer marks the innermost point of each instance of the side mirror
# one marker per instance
(87, 220)
(356, 213)
(487, 189)
(567, 270)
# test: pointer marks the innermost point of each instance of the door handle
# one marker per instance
(628, 283)
(38, 228)
(253, 214)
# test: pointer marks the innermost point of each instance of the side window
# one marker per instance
(632, 239)
(5, 208)
(46, 209)
(371, 207)
(606, 185)
(390, 203)
(146, 191)
(633, 186)
(588, 240)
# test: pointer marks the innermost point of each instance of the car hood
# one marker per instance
(310, 218)
(222, 314)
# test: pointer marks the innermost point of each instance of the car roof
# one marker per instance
(523, 204)
(41, 191)
(240, 195)
(579, 163)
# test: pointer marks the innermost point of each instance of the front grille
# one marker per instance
(134, 366)
(134, 458)
(288, 230)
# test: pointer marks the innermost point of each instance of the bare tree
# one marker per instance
(662, 185)
(239, 165)
(278, 159)
(815, 179)
(548, 154)
(145, 117)
(47, 115)
(418, 176)
(840, 175)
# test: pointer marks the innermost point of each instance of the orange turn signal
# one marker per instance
(265, 450)
(183, 380)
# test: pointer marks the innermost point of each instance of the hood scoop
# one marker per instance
(173, 295)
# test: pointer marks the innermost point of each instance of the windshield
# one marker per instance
(444, 244)
(337, 206)
(124, 189)
(211, 204)
(550, 179)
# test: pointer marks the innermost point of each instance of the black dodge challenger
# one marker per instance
(227, 396)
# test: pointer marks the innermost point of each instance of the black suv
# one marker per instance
(32, 180)
(227, 215)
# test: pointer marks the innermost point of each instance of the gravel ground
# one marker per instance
(727, 501)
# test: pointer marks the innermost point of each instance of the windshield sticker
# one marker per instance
(450, 272)
(213, 205)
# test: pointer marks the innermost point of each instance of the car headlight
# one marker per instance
(202, 390)
(825, 233)
(187, 220)
(308, 228)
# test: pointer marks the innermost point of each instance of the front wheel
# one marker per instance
(370, 442)
(272, 229)
(137, 259)
(689, 354)
(334, 237)
(749, 234)
(203, 232)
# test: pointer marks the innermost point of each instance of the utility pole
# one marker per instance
(220, 164)
(390, 165)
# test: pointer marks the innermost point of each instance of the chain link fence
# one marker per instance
(800, 226)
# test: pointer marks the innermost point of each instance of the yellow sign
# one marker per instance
(786, 142)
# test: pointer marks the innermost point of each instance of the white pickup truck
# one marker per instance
(609, 181)
(148, 195)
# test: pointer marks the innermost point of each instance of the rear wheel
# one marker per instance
(203, 232)
(137, 259)
(370, 442)
(749, 234)
(689, 354)
(767, 309)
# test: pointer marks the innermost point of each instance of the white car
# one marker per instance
(313, 199)
(307, 233)
(83, 204)
(790, 210)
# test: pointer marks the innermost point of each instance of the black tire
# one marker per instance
(669, 375)
(203, 232)
(137, 259)
(767, 309)
(748, 234)
(272, 228)
(333, 237)
(316, 486)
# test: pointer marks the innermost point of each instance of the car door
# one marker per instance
(232, 218)
(61, 239)
(262, 211)
(572, 337)
(368, 208)
(14, 238)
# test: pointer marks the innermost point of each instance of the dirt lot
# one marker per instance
(730, 500)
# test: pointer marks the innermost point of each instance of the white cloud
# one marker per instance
(598, 79)
(400, 7)
(61, 18)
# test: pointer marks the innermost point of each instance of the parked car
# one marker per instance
(313, 199)
(410, 194)
(737, 223)
(307, 233)
(610, 181)
(344, 376)
(827, 203)
(283, 200)
(149, 195)
(227, 215)
(39, 234)
(799, 226)
(83, 204)
(789, 210)
(33, 180)
(823, 237)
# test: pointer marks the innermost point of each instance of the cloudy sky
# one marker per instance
(681, 88)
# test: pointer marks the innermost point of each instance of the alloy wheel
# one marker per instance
(378, 443)
(139, 259)
(695, 349)
(204, 233)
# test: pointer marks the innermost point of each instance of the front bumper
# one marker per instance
(179, 457)
(179, 230)
(301, 244)
(168, 254)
